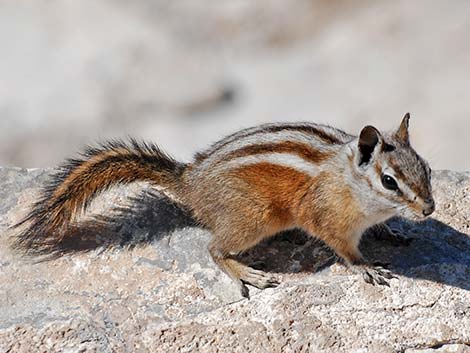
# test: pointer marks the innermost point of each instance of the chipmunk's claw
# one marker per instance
(376, 275)
(244, 291)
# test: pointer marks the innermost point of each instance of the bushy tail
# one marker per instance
(78, 181)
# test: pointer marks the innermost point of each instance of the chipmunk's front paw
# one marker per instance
(376, 275)
(384, 232)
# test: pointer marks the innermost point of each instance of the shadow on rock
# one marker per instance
(437, 252)
(290, 251)
(150, 217)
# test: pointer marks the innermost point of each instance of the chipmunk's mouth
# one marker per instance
(415, 214)
(418, 217)
(418, 209)
(426, 209)
(421, 216)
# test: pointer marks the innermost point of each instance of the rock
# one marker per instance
(147, 284)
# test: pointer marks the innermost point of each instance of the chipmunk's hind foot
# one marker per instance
(258, 279)
(242, 274)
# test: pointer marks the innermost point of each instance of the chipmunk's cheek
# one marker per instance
(412, 215)
(413, 211)
(418, 217)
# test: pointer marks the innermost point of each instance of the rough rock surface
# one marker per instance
(148, 285)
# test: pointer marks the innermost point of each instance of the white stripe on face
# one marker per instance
(283, 159)
(406, 191)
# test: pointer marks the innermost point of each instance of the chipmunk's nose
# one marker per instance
(429, 206)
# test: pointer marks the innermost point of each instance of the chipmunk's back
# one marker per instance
(295, 144)
(271, 165)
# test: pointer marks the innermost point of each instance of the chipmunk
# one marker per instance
(253, 184)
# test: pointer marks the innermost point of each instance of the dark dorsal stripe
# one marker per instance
(307, 129)
(302, 150)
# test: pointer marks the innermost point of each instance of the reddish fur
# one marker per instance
(83, 169)
(279, 188)
(279, 198)
(296, 148)
(84, 182)
(331, 212)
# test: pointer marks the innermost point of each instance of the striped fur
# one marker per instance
(78, 181)
(301, 138)
(274, 158)
(323, 134)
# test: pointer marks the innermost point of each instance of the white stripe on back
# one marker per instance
(266, 138)
(283, 159)
(339, 134)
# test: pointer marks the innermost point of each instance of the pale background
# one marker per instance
(185, 73)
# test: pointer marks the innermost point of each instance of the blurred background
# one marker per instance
(185, 73)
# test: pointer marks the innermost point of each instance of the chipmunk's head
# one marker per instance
(399, 177)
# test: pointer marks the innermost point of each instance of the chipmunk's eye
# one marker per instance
(389, 183)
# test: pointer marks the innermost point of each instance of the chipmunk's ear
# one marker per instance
(369, 141)
(402, 132)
